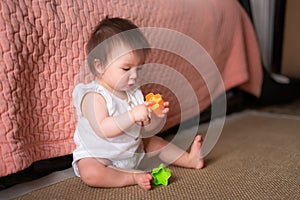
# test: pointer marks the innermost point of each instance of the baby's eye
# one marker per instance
(126, 68)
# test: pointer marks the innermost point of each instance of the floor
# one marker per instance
(240, 166)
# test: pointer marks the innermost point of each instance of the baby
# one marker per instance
(114, 132)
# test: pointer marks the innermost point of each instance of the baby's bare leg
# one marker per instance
(172, 154)
(94, 173)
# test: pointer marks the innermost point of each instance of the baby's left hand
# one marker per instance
(166, 108)
(162, 113)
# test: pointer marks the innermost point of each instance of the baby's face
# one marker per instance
(121, 73)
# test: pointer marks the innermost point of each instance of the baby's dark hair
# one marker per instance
(110, 33)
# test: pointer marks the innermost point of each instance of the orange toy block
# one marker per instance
(158, 103)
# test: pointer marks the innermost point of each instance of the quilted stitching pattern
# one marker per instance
(41, 50)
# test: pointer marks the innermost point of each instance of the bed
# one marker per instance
(42, 52)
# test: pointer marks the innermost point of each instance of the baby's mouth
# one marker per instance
(130, 85)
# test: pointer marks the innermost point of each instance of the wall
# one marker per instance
(263, 17)
(290, 65)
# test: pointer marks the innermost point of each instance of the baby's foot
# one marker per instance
(195, 157)
(143, 180)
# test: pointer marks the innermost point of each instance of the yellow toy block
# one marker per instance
(158, 103)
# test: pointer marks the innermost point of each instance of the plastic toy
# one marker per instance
(161, 175)
(158, 103)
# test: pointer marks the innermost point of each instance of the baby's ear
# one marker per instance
(98, 66)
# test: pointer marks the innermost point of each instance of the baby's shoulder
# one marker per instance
(82, 88)
(93, 98)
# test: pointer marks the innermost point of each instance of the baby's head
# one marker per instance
(112, 38)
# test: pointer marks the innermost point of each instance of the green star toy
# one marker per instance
(161, 175)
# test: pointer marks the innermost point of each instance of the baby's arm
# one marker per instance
(95, 111)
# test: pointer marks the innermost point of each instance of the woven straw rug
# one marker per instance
(256, 157)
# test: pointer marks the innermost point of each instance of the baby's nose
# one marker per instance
(133, 73)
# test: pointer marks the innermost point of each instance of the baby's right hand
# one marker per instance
(140, 113)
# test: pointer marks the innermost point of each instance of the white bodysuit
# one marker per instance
(124, 151)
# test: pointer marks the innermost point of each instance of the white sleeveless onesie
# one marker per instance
(124, 151)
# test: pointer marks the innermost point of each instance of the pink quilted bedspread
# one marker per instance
(42, 49)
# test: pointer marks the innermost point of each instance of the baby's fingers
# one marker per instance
(165, 110)
(149, 103)
(166, 104)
